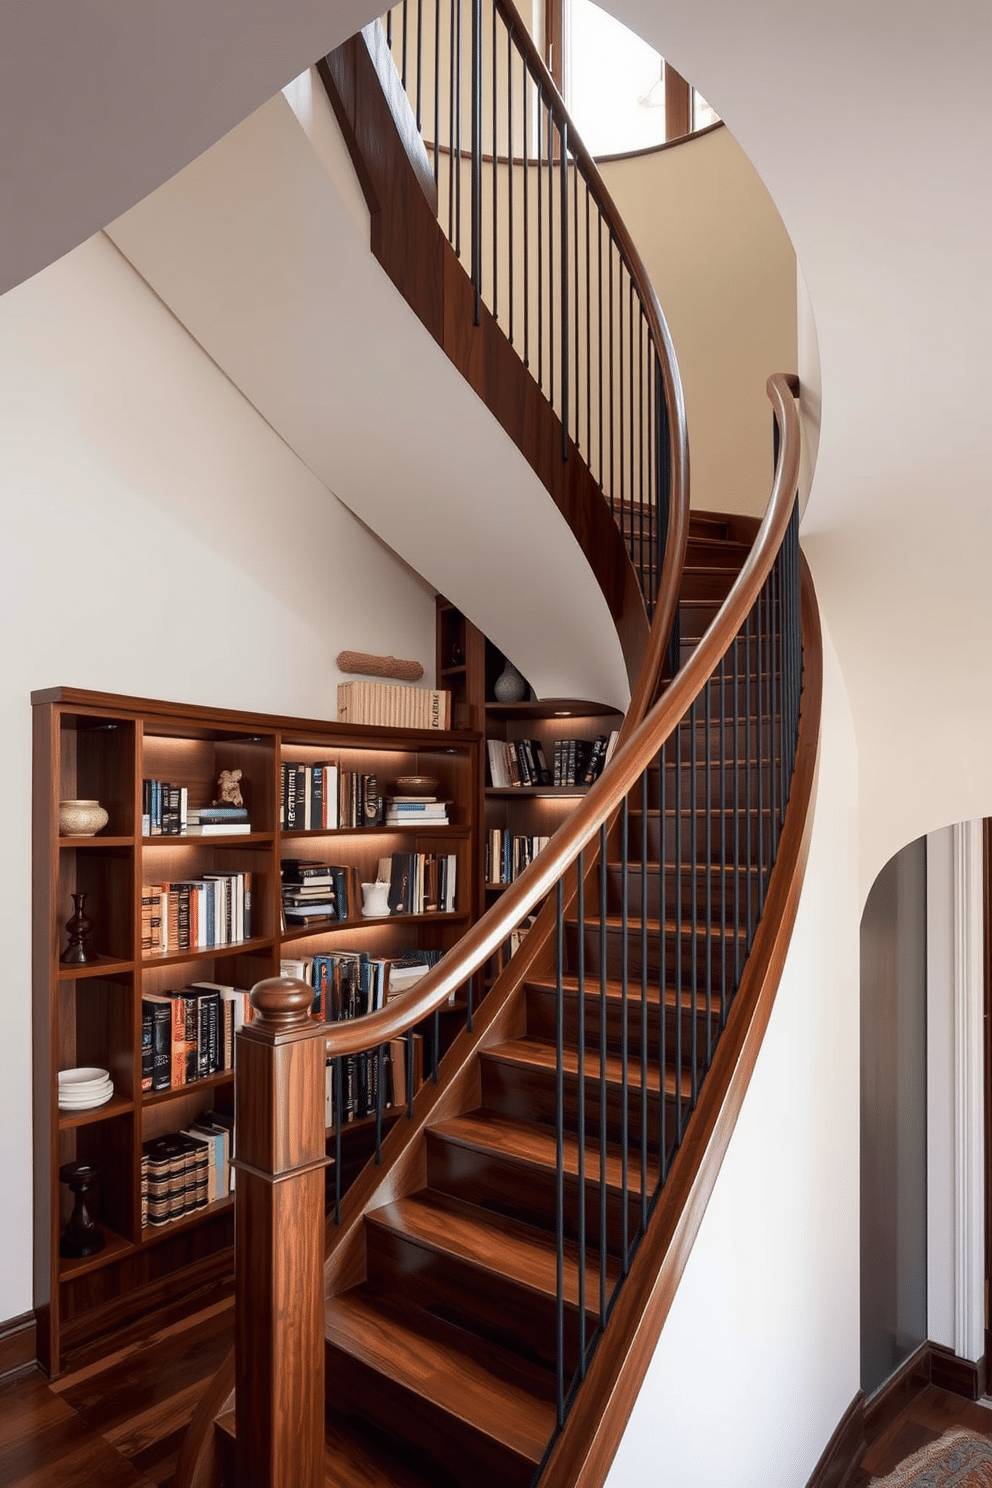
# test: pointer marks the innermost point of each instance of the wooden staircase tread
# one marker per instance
(614, 993)
(538, 1053)
(533, 1145)
(496, 1243)
(435, 1361)
(617, 922)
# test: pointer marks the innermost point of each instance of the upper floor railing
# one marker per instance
(525, 208)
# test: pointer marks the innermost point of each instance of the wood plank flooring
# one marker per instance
(117, 1416)
(928, 1416)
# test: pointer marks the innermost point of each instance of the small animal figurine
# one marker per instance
(230, 790)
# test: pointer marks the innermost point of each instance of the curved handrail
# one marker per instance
(604, 797)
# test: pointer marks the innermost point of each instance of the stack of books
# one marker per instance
(312, 892)
(416, 811)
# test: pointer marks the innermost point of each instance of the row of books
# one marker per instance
(419, 882)
(349, 984)
(195, 914)
(186, 1170)
(166, 812)
(393, 705)
(188, 1034)
(313, 891)
(395, 1071)
(523, 762)
(508, 854)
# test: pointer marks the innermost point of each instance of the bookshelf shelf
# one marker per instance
(105, 747)
(154, 1234)
(118, 1105)
(99, 966)
(115, 1249)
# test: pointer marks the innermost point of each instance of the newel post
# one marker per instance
(279, 1241)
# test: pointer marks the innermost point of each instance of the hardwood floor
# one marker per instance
(117, 1416)
(928, 1416)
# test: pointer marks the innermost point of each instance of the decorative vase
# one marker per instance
(81, 818)
(78, 928)
(509, 686)
(81, 1236)
(375, 900)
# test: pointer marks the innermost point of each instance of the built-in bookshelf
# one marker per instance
(221, 895)
(540, 754)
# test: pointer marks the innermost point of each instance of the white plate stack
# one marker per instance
(81, 1089)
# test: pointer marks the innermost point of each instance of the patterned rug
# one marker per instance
(958, 1459)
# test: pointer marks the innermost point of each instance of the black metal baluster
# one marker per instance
(420, 65)
(477, 156)
(644, 1005)
(645, 586)
(620, 412)
(495, 170)
(662, 968)
(723, 840)
(599, 334)
(389, 29)
(437, 94)
(576, 383)
(455, 69)
(457, 155)
(624, 1028)
(588, 328)
(612, 401)
(540, 238)
(693, 901)
(748, 791)
(563, 170)
(580, 1122)
(551, 259)
(560, 1153)
(738, 765)
(603, 1227)
(509, 177)
(526, 250)
(760, 749)
(708, 718)
(677, 933)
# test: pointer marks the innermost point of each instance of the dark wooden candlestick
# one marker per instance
(79, 928)
(81, 1236)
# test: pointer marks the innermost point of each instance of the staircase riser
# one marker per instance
(688, 785)
(508, 1314)
(609, 951)
(719, 892)
(701, 582)
(529, 1094)
(516, 1189)
(707, 839)
(352, 1386)
(541, 1013)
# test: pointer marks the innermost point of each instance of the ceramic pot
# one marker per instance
(375, 900)
(509, 686)
(81, 818)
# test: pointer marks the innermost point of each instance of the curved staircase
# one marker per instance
(517, 1249)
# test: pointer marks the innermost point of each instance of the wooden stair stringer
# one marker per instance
(582, 1455)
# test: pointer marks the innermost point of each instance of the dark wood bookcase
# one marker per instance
(101, 746)
(468, 664)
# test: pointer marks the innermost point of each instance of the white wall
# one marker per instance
(157, 538)
(768, 1306)
(725, 272)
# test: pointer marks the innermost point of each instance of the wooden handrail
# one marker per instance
(643, 741)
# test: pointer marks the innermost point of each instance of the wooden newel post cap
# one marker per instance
(282, 1003)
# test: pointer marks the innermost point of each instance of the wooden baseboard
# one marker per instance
(844, 1450)
(864, 1421)
(18, 1348)
(959, 1376)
